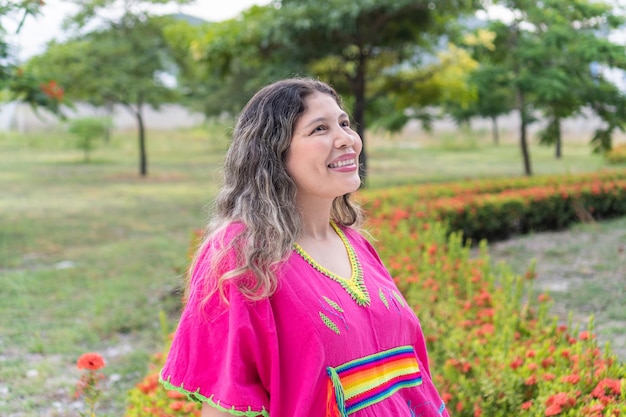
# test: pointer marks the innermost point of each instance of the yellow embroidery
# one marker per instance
(354, 286)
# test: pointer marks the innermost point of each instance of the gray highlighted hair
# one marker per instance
(258, 192)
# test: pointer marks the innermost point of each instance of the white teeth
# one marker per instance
(342, 163)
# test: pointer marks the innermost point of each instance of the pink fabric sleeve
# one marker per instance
(222, 354)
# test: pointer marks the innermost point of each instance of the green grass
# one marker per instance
(90, 253)
(453, 156)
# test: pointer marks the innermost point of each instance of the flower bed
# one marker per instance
(496, 210)
(494, 347)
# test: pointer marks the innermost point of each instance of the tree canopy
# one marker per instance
(123, 61)
(22, 85)
(363, 48)
(545, 58)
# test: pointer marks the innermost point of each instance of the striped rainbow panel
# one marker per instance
(371, 379)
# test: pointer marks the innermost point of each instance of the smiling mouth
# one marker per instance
(347, 162)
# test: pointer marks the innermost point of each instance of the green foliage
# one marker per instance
(87, 130)
(547, 59)
(365, 49)
(43, 91)
(121, 62)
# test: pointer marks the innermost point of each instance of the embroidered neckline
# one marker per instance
(354, 286)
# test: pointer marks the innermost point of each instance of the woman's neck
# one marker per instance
(315, 218)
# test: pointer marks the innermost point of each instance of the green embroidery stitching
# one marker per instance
(333, 304)
(383, 298)
(329, 323)
(354, 286)
(397, 296)
(199, 398)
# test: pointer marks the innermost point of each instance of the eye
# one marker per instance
(319, 128)
(345, 123)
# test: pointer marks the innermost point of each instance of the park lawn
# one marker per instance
(91, 255)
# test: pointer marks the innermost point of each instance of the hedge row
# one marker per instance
(492, 213)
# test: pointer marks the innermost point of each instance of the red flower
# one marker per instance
(527, 405)
(547, 362)
(517, 363)
(572, 379)
(52, 90)
(91, 361)
(607, 386)
(553, 410)
(177, 405)
(175, 395)
(531, 380)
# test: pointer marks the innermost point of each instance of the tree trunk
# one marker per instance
(109, 107)
(143, 159)
(495, 131)
(358, 88)
(559, 140)
(523, 134)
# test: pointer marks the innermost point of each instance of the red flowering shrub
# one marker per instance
(88, 386)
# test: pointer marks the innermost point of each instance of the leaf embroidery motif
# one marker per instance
(329, 323)
(381, 294)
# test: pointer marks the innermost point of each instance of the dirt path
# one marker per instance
(583, 269)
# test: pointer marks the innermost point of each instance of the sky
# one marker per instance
(36, 32)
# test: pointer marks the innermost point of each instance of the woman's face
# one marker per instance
(323, 157)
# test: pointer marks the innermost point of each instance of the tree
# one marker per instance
(546, 51)
(360, 47)
(491, 82)
(21, 85)
(121, 62)
(87, 130)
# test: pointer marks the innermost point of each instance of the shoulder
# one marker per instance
(218, 252)
(358, 237)
(223, 236)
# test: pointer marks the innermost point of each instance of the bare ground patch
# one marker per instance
(584, 271)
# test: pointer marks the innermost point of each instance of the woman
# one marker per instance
(290, 311)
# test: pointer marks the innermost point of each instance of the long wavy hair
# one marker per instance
(259, 193)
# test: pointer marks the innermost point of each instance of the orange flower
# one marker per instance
(91, 361)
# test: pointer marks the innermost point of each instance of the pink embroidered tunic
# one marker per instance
(321, 346)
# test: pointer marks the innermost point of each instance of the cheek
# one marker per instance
(358, 144)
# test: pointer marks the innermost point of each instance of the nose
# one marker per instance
(345, 138)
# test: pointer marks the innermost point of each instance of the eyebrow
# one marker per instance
(324, 119)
